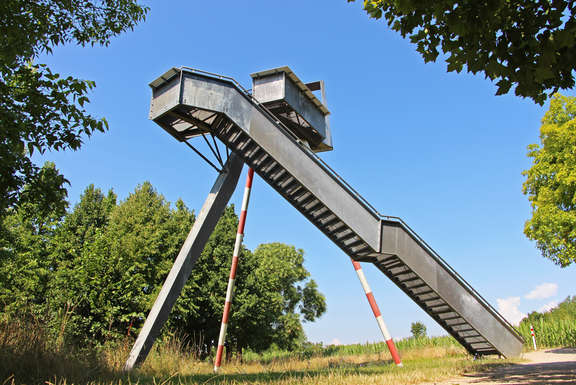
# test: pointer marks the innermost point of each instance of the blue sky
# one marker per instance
(437, 149)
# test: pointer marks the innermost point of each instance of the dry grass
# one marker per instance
(420, 365)
(27, 357)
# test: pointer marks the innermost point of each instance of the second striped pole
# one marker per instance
(533, 336)
(233, 268)
(377, 314)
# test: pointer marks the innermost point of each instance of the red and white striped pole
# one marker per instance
(533, 336)
(230, 290)
(377, 313)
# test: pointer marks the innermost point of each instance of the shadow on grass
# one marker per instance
(270, 377)
(273, 376)
(562, 351)
(529, 374)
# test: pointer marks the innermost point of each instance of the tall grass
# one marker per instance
(550, 332)
(28, 356)
(428, 360)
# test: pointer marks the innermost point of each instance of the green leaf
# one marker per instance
(528, 45)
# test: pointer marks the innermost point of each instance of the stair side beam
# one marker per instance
(182, 268)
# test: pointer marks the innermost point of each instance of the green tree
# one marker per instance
(76, 233)
(26, 259)
(551, 183)
(418, 329)
(39, 109)
(110, 281)
(274, 300)
(272, 296)
(95, 274)
(80, 227)
(527, 44)
(198, 310)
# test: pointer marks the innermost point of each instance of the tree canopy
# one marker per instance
(26, 238)
(527, 44)
(92, 274)
(418, 329)
(274, 298)
(39, 109)
(273, 294)
(551, 183)
(565, 310)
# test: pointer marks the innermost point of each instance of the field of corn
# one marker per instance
(550, 333)
(310, 350)
(556, 327)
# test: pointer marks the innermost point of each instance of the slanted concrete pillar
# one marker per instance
(203, 226)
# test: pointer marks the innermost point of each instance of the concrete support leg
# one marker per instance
(191, 250)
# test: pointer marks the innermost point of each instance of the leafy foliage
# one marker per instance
(527, 44)
(269, 299)
(91, 275)
(26, 242)
(418, 329)
(81, 226)
(551, 183)
(274, 299)
(110, 281)
(39, 109)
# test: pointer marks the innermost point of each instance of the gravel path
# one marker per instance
(555, 366)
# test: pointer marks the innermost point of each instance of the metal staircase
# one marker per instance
(187, 102)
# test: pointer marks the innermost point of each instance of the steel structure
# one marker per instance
(189, 103)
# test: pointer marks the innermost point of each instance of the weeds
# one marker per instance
(29, 355)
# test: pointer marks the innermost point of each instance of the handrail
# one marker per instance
(355, 193)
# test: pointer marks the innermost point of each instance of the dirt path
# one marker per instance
(556, 366)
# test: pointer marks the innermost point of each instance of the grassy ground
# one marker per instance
(167, 365)
(28, 356)
(421, 364)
